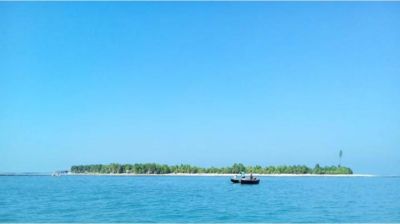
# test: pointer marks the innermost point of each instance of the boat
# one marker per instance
(59, 173)
(244, 180)
(250, 181)
(235, 181)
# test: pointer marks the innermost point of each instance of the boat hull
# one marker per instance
(245, 181)
(257, 181)
(235, 181)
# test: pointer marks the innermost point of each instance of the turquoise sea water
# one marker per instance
(198, 199)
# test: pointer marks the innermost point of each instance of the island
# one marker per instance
(154, 168)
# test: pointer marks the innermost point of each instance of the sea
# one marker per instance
(177, 199)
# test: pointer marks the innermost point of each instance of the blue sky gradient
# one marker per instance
(207, 84)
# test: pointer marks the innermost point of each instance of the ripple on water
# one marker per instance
(198, 199)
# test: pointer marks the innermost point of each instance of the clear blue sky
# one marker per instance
(200, 83)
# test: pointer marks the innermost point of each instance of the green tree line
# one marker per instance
(153, 168)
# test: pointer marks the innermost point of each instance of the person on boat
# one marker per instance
(251, 176)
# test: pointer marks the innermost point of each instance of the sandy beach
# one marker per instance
(224, 175)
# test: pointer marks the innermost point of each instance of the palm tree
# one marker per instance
(340, 157)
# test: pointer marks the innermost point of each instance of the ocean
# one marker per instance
(198, 199)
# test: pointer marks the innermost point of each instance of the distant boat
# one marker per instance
(250, 181)
(59, 173)
(235, 181)
(243, 180)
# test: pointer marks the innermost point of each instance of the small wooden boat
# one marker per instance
(250, 181)
(244, 180)
(235, 181)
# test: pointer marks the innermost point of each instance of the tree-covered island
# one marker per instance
(154, 168)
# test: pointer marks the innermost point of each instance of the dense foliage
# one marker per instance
(153, 168)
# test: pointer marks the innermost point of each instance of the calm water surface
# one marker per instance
(198, 199)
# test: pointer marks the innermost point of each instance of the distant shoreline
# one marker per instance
(155, 168)
(221, 175)
(193, 175)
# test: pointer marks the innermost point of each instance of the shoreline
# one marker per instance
(219, 175)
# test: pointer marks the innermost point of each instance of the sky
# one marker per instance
(201, 83)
